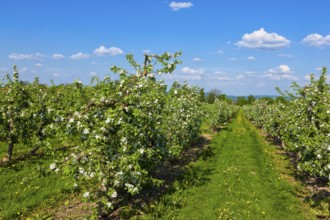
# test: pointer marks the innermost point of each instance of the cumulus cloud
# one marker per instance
(220, 75)
(261, 39)
(280, 72)
(220, 52)
(197, 59)
(187, 73)
(176, 6)
(317, 40)
(31, 56)
(146, 51)
(245, 75)
(251, 58)
(112, 51)
(192, 71)
(38, 65)
(79, 56)
(57, 56)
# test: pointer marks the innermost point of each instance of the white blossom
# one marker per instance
(114, 194)
(116, 183)
(52, 166)
(86, 131)
(86, 194)
(120, 173)
(129, 186)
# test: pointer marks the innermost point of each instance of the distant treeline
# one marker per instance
(214, 94)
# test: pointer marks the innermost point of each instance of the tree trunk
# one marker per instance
(10, 140)
(10, 149)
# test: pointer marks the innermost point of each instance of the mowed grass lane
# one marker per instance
(244, 183)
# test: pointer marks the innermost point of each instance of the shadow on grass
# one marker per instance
(176, 175)
(218, 129)
(32, 158)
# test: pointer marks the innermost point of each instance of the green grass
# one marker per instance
(27, 184)
(239, 176)
(239, 181)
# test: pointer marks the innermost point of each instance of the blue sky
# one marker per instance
(240, 47)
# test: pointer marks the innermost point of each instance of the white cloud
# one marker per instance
(92, 74)
(197, 59)
(261, 39)
(247, 74)
(146, 51)
(176, 6)
(251, 58)
(187, 73)
(38, 65)
(319, 68)
(23, 70)
(317, 40)
(284, 55)
(280, 72)
(284, 69)
(57, 56)
(192, 71)
(220, 52)
(79, 56)
(233, 59)
(31, 56)
(220, 75)
(112, 51)
(307, 77)
(223, 78)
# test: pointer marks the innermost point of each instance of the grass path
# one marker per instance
(243, 184)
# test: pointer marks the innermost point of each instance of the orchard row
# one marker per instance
(117, 131)
(301, 122)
